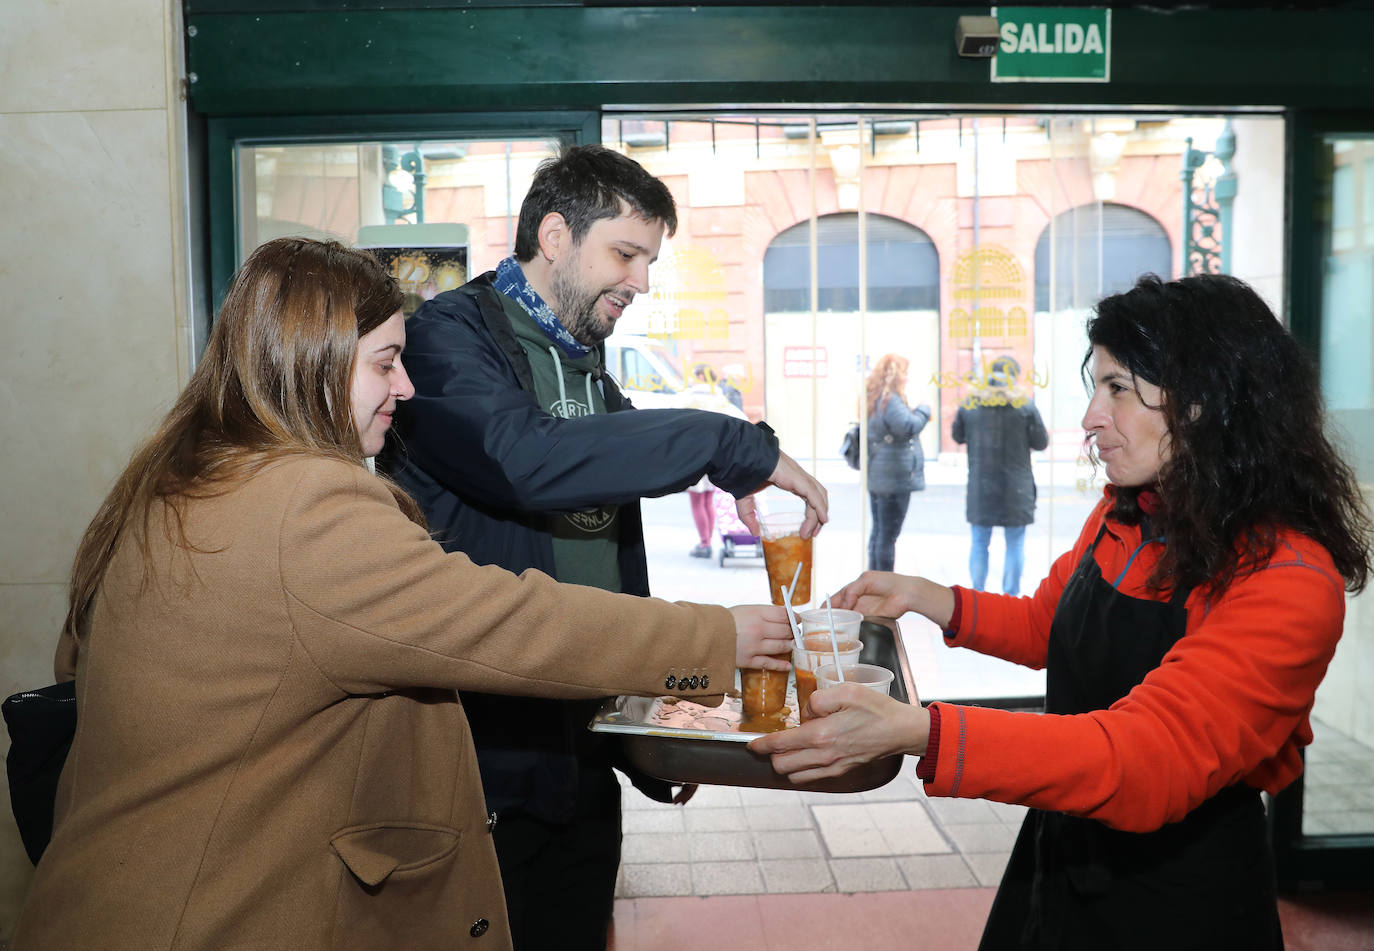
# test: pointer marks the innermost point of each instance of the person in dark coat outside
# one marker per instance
(521, 450)
(1001, 426)
(896, 465)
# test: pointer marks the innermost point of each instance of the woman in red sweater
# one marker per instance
(1183, 637)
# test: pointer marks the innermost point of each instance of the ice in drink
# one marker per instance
(783, 550)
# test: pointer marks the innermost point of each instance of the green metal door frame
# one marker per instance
(1326, 861)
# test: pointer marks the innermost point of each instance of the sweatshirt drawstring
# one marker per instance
(563, 390)
(558, 368)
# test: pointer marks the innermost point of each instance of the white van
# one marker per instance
(645, 371)
(647, 374)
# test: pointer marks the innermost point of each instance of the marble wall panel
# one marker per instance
(59, 55)
(90, 363)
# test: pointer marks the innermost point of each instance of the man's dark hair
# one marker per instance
(584, 184)
(1248, 450)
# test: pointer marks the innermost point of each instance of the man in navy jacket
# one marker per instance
(517, 448)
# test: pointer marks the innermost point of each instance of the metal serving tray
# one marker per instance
(685, 742)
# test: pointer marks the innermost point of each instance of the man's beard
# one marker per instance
(576, 309)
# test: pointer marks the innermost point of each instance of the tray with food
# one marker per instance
(685, 742)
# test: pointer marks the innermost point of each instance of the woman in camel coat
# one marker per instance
(271, 752)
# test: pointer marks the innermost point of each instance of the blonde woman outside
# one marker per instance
(896, 465)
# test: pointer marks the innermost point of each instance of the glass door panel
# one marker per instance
(436, 211)
(811, 245)
(1338, 784)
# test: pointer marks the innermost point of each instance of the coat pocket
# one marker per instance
(375, 852)
(403, 886)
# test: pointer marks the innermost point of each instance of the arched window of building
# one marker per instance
(903, 267)
(1099, 250)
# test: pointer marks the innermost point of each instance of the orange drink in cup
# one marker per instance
(763, 693)
(783, 550)
(818, 653)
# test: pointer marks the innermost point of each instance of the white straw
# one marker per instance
(792, 618)
(834, 644)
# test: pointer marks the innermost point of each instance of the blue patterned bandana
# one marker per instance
(511, 281)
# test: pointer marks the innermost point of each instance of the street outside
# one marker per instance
(934, 543)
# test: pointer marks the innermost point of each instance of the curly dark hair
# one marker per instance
(584, 184)
(1249, 452)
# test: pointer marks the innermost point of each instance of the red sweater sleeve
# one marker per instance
(927, 764)
(1229, 703)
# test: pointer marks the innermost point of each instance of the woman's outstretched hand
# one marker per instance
(850, 726)
(762, 637)
(885, 594)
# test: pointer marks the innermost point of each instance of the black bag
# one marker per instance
(850, 447)
(42, 724)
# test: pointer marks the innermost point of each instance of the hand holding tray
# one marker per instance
(685, 742)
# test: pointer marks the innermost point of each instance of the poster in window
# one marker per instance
(424, 272)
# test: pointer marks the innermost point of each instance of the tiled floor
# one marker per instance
(1338, 784)
(889, 869)
(741, 841)
(948, 919)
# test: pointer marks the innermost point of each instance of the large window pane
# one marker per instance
(949, 241)
(981, 237)
(437, 211)
(1338, 785)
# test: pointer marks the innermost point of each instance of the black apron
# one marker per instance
(1205, 882)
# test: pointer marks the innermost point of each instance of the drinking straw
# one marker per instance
(834, 644)
(787, 603)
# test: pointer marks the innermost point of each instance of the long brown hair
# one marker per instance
(888, 379)
(275, 379)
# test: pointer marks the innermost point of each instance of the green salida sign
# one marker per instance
(1053, 45)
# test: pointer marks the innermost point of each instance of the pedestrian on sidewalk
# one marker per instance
(896, 464)
(1000, 424)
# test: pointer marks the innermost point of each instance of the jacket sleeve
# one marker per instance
(1229, 703)
(472, 428)
(1037, 437)
(956, 430)
(902, 421)
(379, 606)
(920, 415)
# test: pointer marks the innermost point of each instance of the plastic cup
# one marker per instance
(805, 663)
(763, 693)
(865, 675)
(818, 620)
(783, 550)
